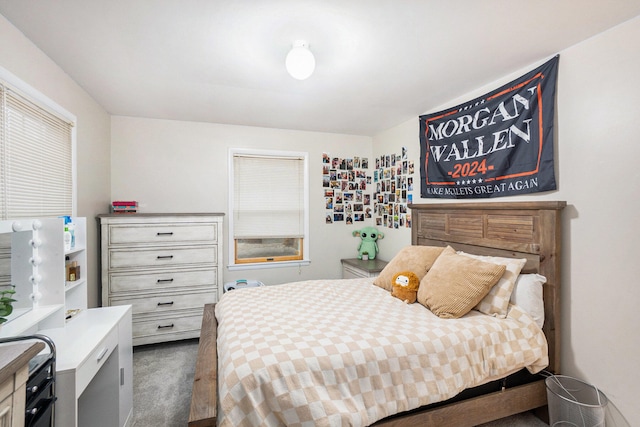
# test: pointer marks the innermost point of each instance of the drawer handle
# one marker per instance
(32, 411)
(33, 389)
(165, 280)
(169, 233)
(165, 326)
(165, 303)
(102, 353)
(164, 256)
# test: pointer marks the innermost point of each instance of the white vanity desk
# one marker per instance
(94, 368)
(94, 352)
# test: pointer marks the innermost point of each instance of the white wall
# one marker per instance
(597, 151)
(175, 166)
(23, 59)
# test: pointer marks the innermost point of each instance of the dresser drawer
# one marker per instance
(156, 304)
(353, 268)
(167, 325)
(349, 272)
(88, 369)
(162, 280)
(162, 234)
(169, 257)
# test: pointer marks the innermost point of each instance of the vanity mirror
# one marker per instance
(32, 263)
(15, 271)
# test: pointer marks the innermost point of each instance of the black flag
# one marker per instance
(500, 144)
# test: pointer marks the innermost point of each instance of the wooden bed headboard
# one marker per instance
(530, 230)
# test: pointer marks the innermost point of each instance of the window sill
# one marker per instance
(264, 265)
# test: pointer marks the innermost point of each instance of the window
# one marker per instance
(269, 202)
(36, 153)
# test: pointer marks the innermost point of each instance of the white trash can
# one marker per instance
(574, 403)
(241, 283)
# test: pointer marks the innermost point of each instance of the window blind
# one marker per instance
(268, 196)
(36, 158)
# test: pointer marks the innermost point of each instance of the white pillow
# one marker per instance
(496, 302)
(527, 294)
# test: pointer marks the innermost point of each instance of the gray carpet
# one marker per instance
(162, 379)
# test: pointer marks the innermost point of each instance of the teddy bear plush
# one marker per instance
(405, 286)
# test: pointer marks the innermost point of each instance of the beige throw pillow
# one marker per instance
(496, 302)
(417, 259)
(456, 283)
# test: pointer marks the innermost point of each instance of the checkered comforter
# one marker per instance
(346, 353)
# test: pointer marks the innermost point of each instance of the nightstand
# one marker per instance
(353, 267)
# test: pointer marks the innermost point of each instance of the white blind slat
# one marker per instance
(36, 158)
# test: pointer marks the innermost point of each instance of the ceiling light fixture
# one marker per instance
(300, 62)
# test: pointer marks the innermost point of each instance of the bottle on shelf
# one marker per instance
(67, 239)
(71, 227)
(69, 233)
(72, 270)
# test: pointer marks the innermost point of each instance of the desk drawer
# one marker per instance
(88, 368)
(169, 257)
(40, 379)
(156, 304)
(162, 234)
(169, 279)
(39, 415)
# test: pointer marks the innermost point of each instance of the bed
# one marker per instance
(522, 230)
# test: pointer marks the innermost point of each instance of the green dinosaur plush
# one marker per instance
(369, 236)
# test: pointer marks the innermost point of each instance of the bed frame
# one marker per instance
(530, 230)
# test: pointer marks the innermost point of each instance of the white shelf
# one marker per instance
(76, 249)
(68, 286)
(76, 291)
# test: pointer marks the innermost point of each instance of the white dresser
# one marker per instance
(166, 266)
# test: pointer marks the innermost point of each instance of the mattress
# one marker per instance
(345, 352)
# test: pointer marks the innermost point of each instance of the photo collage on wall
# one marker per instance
(393, 180)
(351, 195)
(346, 185)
